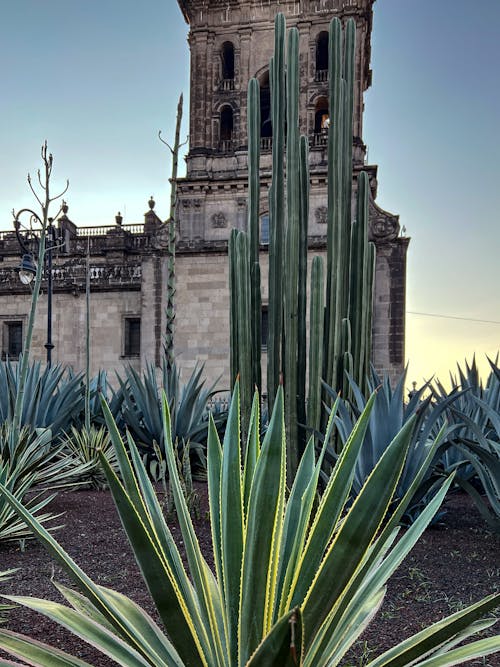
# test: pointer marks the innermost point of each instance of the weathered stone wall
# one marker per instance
(107, 313)
(202, 318)
(388, 344)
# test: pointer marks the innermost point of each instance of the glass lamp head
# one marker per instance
(27, 269)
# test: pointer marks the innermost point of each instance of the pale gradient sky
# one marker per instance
(99, 78)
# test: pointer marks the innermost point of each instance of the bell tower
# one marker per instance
(230, 42)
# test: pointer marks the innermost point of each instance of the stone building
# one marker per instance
(127, 270)
(230, 42)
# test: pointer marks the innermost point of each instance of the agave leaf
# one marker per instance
(35, 653)
(231, 512)
(267, 489)
(346, 632)
(370, 580)
(203, 578)
(163, 586)
(82, 604)
(329, 511)
(103, 604)
(252, 450)
(478, 649)
(295, 531)
(356, 534)
(87, 629)
(434, 636)
(472, 629)
(214, 454)
(298, 509)
(492, 520)
(282, 645)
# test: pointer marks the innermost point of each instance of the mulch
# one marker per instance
(455, 563)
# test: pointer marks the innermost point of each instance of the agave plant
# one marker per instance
(83, 448)
(475, 446)
(53, 397)
(100, 387)
(390, 413)
(292, 586)
(19, 474)
(141, 410)
(467, 409)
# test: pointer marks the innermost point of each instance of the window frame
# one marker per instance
(8, 324)
(131, 347)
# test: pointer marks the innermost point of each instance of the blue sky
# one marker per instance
(98, 79)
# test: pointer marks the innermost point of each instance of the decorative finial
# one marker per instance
(119, 218)
(151, 203)
(64, 207)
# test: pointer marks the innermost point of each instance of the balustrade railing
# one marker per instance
(73, 275)
(266, 143)
(320, 139)
(226, 84)
(226, 145)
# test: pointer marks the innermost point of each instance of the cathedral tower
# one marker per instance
(232, 41)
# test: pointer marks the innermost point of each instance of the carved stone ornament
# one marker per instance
(384, 226)
(321, 215)
(219, 220)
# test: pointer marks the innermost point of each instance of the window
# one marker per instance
(322, 57)
(227, 56)
(321, 118)
(264, 327)
(132, 344)
(266, 129)
(226, 124)
(12, 339)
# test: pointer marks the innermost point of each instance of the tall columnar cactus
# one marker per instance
(276, 211)
(253, 226)
(292, 237)
(340, 321)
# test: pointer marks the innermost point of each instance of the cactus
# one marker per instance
(340, 329)
(292, 235)
(316, 329)
(276, 211)
(253, 227)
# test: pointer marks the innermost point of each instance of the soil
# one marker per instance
(455, 563)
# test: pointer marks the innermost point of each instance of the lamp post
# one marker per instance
(27, 237)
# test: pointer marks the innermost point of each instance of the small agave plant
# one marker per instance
(295, 583)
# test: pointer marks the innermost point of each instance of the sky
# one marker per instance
(98, 78)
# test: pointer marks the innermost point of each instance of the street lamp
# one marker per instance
(27, 236)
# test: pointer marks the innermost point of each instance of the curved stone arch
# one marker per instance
(262, 73)
(220, 104)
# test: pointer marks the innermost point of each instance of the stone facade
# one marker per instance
(230, 42)
(127, 272)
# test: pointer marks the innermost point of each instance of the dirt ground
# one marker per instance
(455, 563)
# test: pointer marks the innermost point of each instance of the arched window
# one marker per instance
(322, 56)
(226, 127)
(321, 122)
(227, 56)
(321, 116)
